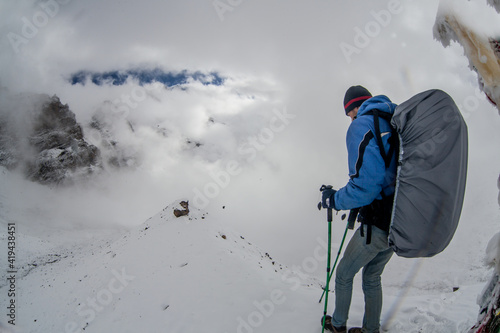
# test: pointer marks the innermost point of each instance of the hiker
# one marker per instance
(371, 188)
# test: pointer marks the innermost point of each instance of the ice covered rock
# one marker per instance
(457, 21)
(493, 252)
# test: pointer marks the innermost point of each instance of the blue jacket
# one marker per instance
(367, 171)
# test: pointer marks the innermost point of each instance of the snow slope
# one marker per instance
(194, 274)
(185, 274)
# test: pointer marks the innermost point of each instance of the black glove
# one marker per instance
(327, 196)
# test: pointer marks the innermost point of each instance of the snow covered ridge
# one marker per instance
(176, 274)
(193, 273)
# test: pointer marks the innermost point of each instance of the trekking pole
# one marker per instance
(328, 261)
(329, 219)
(350, 225)
(335, 263)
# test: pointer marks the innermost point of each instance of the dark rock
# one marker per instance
(182, 212)
(59, 144)
(8, 148)
(41, 136)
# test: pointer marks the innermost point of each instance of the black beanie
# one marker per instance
(354, 97)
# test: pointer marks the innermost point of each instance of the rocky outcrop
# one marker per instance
(8, 146)
(184, 209)
(50, 147)
(60, 146)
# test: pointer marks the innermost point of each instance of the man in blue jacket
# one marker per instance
(372, 171)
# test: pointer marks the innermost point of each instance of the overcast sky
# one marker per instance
(284, 59)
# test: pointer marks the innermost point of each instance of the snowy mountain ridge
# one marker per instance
(175, 273)
(193, 273)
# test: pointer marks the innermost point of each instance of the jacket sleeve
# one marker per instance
(366, 167)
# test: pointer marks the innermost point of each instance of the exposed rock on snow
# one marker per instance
(184, 209)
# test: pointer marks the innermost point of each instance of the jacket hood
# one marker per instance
(379, 102)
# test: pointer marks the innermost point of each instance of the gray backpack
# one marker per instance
(431, 176)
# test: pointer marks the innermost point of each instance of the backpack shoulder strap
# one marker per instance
(387, 156)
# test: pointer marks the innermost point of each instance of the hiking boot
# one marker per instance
(330, 327)
(356, 330)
